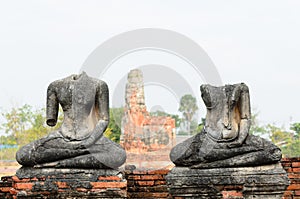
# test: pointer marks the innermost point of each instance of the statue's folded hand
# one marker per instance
(95, 135)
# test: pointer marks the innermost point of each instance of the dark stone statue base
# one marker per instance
(260, 182)
(67, 183)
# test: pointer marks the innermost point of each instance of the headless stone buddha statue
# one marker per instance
(79, 142)
(225, 140)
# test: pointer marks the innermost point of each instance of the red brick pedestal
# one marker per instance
(64, 183)
(260, 182)
(147, 184)
(292, 167)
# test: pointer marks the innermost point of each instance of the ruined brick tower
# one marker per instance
(142, 132)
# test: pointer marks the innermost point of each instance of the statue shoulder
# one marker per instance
(54, 85)
(244, 87)
(102, 86)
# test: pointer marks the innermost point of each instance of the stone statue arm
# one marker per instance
(245, 114)
(102, 111)
(52, 105)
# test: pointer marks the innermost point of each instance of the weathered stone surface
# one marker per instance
(225, 139)
(224, 161)
(79, 142)
(133, 177)
(64, 173)
(262, 182)
(69, 183)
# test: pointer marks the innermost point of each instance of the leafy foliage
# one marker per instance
(113, 130)
(23, 125)
(287, 141)
(188, 107)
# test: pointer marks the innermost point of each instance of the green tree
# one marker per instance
(287, 141)
(256, 128)
(294, 145)
(18, 120)
(113, 130)
(278, 135)
(25, 124)
(296, 128)
(199, 127)
(188, 107)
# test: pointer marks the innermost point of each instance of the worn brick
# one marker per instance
(23, 186)
(296, 164)
(16, 179)
(294, 176)
(133, 177)
(295, 181)
(294, 187)
(296, 170)
(160, 182)
(34, 179)
(109, 178)
(108, 184)
(160, 195)
(13, 191)
(288, 193)
(232, 194)
(62, 185)
(5, 189)
(145, 183)
(139, 172)
(45, 193)
(82, 190)
(151, 177)
(160, 171)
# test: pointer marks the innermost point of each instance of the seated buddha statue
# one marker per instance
(79, 141)
(225, 140)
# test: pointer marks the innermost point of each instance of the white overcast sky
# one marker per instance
(254, 41)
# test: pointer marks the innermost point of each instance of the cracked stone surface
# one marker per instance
(79, 141)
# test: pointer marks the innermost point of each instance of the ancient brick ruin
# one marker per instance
(130, 184)
(141, 132)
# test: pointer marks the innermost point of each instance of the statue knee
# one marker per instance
(24, 156)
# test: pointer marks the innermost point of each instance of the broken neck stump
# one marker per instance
(223, 155)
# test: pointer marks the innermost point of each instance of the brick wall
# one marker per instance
(146, 183)
(141, 184)
(105, 186)
(292, 167)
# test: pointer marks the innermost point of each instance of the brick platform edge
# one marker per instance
(140, 184)
(147, 184)
(292, 167)
(64, 183)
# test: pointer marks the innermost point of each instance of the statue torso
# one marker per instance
(77, 99)
(223, 116)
